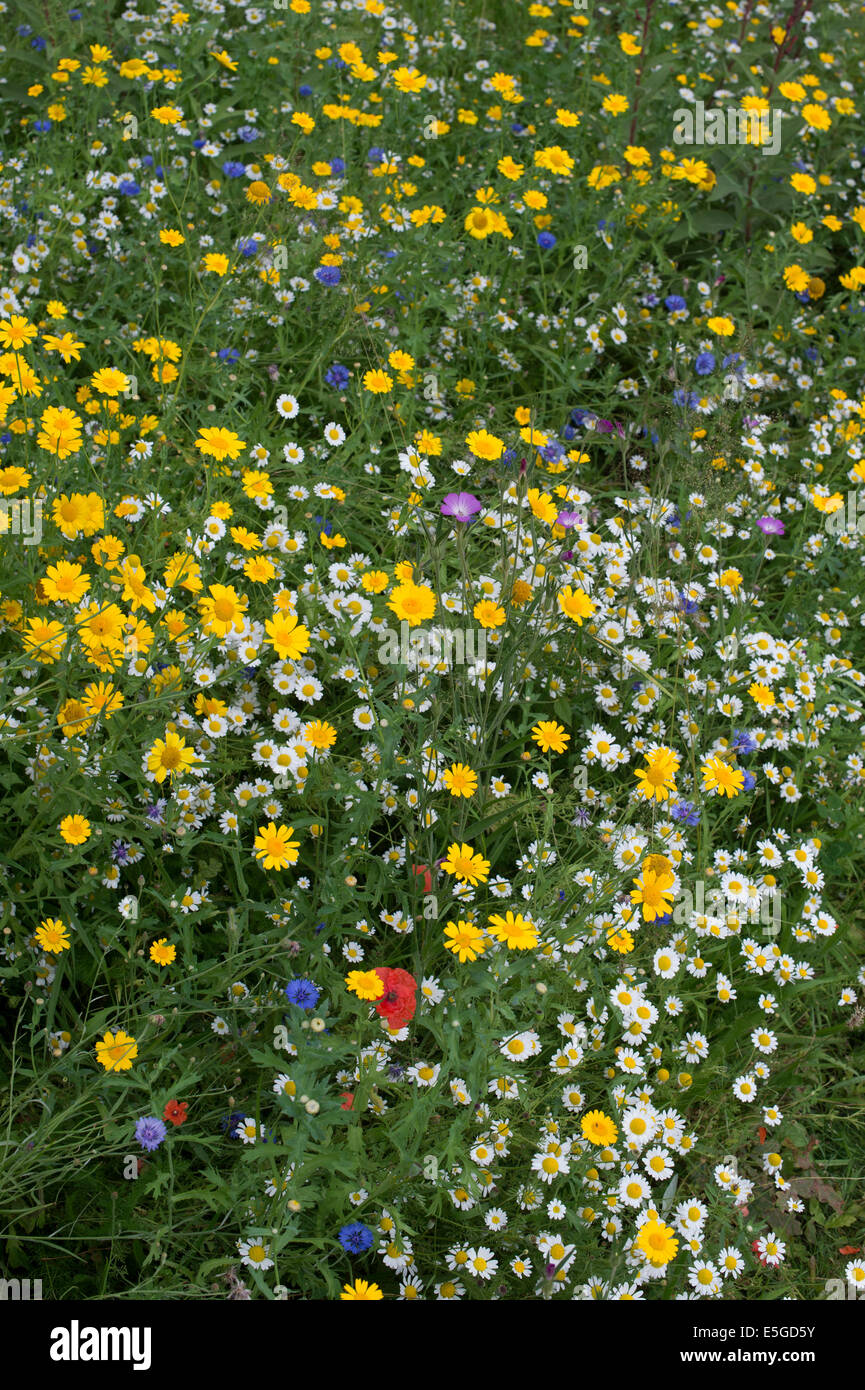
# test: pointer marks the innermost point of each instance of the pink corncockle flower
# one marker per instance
(460, 506)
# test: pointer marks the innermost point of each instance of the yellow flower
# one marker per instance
(258, 193)
(489, 613)
(219, 443)
(216, 264)
(319, 733)
(167, 115)
(599, 1129)
(161, 953)
(484, 445)
(657, 1242)
(466, 865)
(117, 1051)
(412, 603)
(460, 780)
(224, 611)
(657, 781)
(555, 159)
(170, 757)
(75, 829)
(378, 382)
(465, 940)
(721, 778)
(288, 637)
(516, 931)
(169, 236)
(762, 695)
(724, 327)
(53, 936)
(655, 892)
(795, 278)
(61, 431)
(366, 984)
(550, 736)
(576, 604)
(360, 1289)
(16, 332)
(409, 80)
(65, 582)
(275, 847)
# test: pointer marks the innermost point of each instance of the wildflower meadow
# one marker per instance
(432, 667)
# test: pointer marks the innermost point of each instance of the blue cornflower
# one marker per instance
(247, 134)
(74, 14)
(303, 993)
(41, 126)
(356, 1238)
(675, 303)
(304, 91)
(248, 247)
(337, 376)
(38, 43)
(323, 525)
(685, 811)
(546, 240)
(337, 166)
(750, 781)
(232, 169)
(687, 605)
(743, 742)
(327, 275)
(231, 1122)
(150, 1132)
(129, 187)
(552, 452)
(228, 355)
(705, 363)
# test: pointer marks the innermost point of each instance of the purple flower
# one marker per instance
(327, 275)
(462, 506)
(150, 1132)
(568, 520)
(771, 526)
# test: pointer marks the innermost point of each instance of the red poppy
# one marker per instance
(417, 870)
(398, 1002)
(762, 1134)
(175, 1111)
(849, 1249)
(347, 1098)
